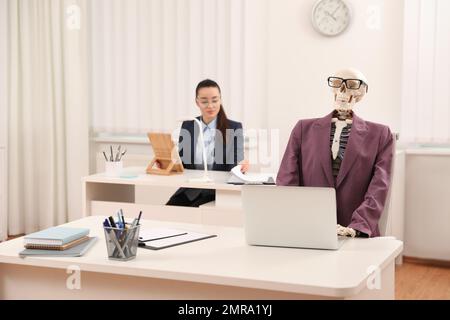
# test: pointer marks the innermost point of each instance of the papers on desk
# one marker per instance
(161, 238)
(159, 233)
(237, 177)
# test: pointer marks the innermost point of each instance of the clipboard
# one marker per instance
(175, 241)
(146, 235)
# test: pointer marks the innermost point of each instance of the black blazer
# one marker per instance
(226, 156)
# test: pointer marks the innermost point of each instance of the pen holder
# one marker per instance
(122, 243)
(113, 168)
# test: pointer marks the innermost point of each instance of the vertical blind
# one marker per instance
(426, 72)
(147, 57)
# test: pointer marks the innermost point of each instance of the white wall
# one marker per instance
(300, 60)
(3, 71)
(3, 122)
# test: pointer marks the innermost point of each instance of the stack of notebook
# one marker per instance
(58, 241)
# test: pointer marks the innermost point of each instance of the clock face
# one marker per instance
(331, 17)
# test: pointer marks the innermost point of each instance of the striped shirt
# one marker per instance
(336, 163)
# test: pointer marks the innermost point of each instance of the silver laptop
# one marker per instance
(299, 217)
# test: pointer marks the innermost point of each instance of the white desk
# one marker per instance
(219, 268)
(104, 195)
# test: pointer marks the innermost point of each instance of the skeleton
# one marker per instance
(349, 87)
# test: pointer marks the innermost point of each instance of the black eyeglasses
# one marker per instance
(354, 84)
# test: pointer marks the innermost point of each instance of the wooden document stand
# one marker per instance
(166, 154)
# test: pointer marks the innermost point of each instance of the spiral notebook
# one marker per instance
(76, 251)
(56, 247)
(55, 236)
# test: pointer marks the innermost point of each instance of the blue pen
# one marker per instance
(123, 219)
(119, 220)
(107, 225)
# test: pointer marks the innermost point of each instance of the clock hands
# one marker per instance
(335, 10)
(332, 14)
(330, 17)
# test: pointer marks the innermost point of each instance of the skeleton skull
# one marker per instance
(348, 92)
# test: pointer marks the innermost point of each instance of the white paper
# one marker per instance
(158, 233)
(251, 177)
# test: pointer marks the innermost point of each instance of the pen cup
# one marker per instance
(113, 168)
(122, 244)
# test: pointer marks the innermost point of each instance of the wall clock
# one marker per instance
(331, 17)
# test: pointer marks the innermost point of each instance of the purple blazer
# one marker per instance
(364, 176)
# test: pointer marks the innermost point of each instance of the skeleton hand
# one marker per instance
(344, 231)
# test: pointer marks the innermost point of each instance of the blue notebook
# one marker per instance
(57, 236)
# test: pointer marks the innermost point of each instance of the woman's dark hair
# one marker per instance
(222, 120)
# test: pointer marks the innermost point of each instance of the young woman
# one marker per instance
(223, 142)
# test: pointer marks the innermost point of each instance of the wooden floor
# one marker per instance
(414, 281)
(419, 281)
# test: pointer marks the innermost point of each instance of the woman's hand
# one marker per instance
(244, 166)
